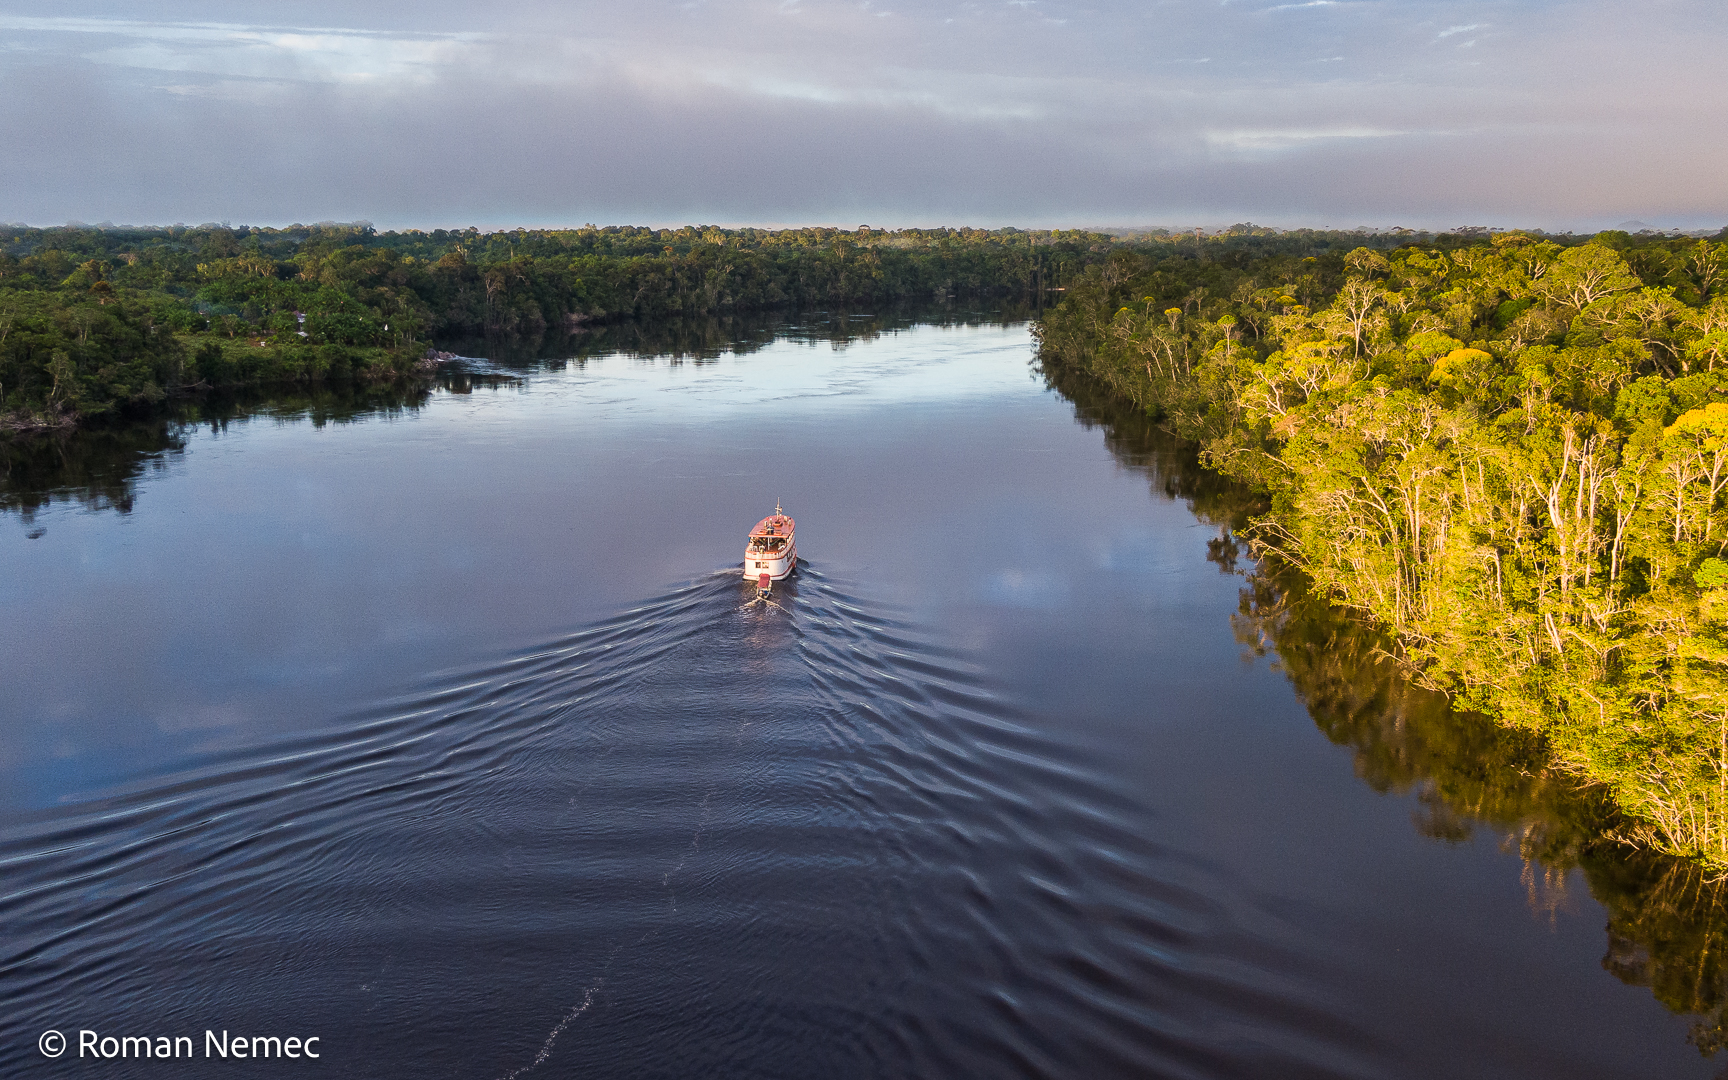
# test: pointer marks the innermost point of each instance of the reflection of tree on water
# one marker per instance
(1667, 920)
(704, 339)
(99, 467)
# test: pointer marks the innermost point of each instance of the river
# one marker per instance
(434, 725)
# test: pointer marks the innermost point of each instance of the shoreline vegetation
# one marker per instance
(1667, 918)
(106, 321)
(1509, 450)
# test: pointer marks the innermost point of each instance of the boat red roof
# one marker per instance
(780, 523)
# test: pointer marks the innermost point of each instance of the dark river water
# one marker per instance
(432, 725)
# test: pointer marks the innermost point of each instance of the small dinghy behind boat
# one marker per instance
(772, 552)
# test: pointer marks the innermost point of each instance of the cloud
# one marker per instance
(1287, 138)
(739, 110)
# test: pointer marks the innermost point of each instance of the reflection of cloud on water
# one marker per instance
(929, 363)
(1025, 589)
(1157, 553)
(224, 717)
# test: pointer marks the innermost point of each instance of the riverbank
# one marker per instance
(1667, 917)
(1512, 455)
(24, 423)
(188, 366)
(245, 369)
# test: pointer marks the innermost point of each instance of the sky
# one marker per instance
(1037, 113)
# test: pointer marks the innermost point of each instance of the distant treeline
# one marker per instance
(96, 319)
(1512, 452)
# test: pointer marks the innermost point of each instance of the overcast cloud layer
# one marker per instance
(1428, 113)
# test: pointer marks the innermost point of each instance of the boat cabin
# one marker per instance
(767, 545)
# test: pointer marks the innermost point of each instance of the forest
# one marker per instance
(1667, 918)
(1508, 450)
(102, 321)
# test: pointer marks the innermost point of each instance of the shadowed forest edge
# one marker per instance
(1667, 916)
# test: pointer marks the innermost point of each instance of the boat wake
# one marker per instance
(691, 838)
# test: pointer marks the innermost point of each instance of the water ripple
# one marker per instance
(690, 839)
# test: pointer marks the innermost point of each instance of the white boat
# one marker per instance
(772, 552)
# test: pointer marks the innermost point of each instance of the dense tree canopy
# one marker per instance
(98, 319)
(1513, 453)
(93, 319)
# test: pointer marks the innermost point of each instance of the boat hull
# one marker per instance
(779, 567)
